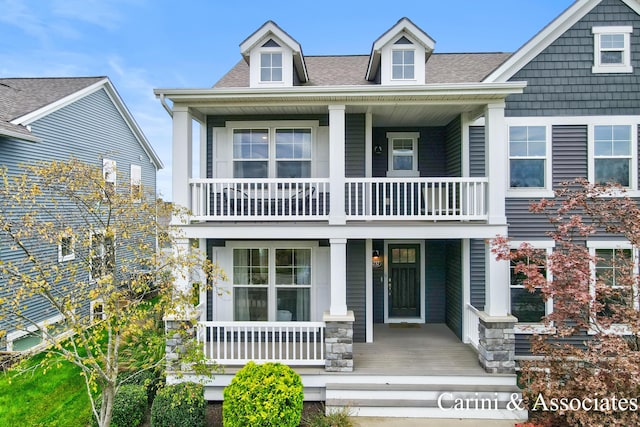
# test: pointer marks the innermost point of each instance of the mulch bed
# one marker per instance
(214, 412)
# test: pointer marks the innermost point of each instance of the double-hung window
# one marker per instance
(272, 152)
(271, 67)
(66, 248)
(102, 257)
(403, 153)
(109, 175)
(612, 49)
(528, 306)
(615, 274)
(272, 283)
(136, 182)
(528, 157)
(612, 154)
(403, 64)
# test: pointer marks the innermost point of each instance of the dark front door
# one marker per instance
(404, 280)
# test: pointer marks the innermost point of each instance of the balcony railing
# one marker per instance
(444, 199)
(236, 343)
(459, 199)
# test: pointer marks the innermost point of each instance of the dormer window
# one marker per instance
(403, 64)
(271, 67)
(612, 49)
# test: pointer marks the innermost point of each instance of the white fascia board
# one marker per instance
(543, 39)
(330, 92)
(20, 136)
(31, 117)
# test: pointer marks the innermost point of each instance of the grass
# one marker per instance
(34, 398)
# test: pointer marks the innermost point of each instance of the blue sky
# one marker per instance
(146, 44)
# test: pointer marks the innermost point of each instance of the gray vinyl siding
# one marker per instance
(354, 145)
(477, 262)
(560, 81)
(454, 147)
(569, 161)
(435, 280)
(453, 315)
(356, 289)
(378, 285)
(432, 150)
(89, 130)
(476, 152)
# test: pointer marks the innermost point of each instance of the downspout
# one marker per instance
(165, 105)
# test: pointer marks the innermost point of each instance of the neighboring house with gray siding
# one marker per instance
(45, 119)
(355, 194)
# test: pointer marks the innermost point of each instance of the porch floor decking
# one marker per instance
(428, 349)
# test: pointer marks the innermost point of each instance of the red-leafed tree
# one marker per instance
(587, 368)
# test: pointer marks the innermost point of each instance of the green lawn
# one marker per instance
(57, 398)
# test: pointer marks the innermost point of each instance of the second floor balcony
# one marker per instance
(365, 199)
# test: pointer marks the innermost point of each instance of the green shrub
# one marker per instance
(339, 418)
(268, 395)
(129, 406)
(179, 405)
(150, 379)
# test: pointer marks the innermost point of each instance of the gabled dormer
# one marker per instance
(398, 57)
(273, 57)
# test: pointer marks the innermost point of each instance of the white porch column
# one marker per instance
(496, 149)
(181, 156)
(338, 277)
(496, 285)
(368, 265)
(337, 214)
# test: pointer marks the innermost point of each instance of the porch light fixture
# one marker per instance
(376, 260)
(377, 149)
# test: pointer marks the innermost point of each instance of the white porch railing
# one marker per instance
(236, 343)
(259, 200)
(473, 320)
(459, 199)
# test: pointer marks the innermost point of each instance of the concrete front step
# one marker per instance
(484, 401)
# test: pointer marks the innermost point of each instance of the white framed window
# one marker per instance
(271, 66)
(528, 152)
(403, 64)
(102, 255)
(109, 174)
(272, 283)
(403, 153)
(97, 310)
(615, 263)
(66, 248)
(530, 307)
(612, 49)
(612, 152)
(31, 337)
(275, 151)
(136, 183)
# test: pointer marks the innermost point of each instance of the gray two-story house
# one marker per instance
(350, 200)
(84, 118)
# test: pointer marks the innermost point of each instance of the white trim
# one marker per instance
(534, 328)
(531, 192)
(135, 178)
(422, 317)
(391, 136)
(271, 287)
(466, 289)
(625, 66)
(592, 245)
(71, 256)
(542, 40)
(111, 92)
(17, 334)
(368, 250)
(92, 314)
(633, 170)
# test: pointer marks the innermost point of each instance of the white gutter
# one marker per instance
(163, 101)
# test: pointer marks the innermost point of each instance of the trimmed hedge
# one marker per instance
(267, 395)
(150, 379)
(179, 405)
(129, 406)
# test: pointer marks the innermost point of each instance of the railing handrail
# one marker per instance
(262, 324)
(424, 180)
(256, 180)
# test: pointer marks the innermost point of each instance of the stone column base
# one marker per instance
(338, 339)
(497, 346)
(178, 330)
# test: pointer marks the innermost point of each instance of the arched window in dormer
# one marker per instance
(403, 60)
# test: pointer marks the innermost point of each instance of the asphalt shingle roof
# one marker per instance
(350, 70)
(20, 96)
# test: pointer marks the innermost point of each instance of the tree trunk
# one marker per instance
(108, 394)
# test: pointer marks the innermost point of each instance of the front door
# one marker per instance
(404, 281)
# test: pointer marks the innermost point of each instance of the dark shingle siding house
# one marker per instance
(400, 165)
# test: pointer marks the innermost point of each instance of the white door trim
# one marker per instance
(420, 319)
